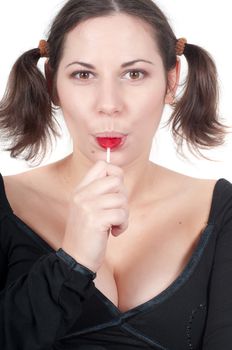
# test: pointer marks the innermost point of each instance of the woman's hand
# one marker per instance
(99, 202)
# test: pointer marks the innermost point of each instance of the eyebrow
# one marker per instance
(126, 64)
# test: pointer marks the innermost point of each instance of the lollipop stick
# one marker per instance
(108, 155)
(108, 161)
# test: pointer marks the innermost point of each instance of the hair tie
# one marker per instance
(180, 46)
(43, 47)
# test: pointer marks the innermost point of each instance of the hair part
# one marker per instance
(27, 114)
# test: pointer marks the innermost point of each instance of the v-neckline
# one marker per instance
(172, 287)
(160, 297)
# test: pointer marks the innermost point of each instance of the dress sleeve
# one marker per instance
(41, 306)
(218, 334)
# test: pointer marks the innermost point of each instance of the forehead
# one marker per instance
(117, 35)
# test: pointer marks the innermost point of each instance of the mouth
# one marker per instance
(111, 140)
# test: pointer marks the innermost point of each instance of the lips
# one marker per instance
(111, 140)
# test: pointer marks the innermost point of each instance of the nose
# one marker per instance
(109, 101)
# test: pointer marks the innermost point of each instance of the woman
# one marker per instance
(109, 250)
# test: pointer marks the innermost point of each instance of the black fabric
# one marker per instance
(45, 304)
(68, 259)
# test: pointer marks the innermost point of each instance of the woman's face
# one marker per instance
(112, 95)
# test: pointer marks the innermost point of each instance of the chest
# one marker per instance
(141, 262)
(145, 261)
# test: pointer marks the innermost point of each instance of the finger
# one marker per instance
(114, 201)
(114, 170)
(117, 230)
(109, 184)
(97, 171)
(116, 217)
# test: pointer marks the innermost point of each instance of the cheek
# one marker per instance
(72, 111)
(151, 108)
(72, 105)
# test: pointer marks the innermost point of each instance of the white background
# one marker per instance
(206, 23)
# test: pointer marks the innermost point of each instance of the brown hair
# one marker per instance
(26, 111)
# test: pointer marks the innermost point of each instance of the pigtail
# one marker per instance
(26, 109)
(195, 116)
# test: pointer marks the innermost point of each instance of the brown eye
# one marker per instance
(81, 75)
(136, 74)
(84, 75)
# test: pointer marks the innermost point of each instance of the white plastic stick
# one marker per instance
(108, 155)
(108, 161)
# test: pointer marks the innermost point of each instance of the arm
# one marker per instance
(218, 334)
(38, 307)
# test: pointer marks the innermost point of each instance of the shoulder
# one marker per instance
(30, 181)
(208, 199)
(34, 187)
(188, 185)
(22, 188)
(179, 183)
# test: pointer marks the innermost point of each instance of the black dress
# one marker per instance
(46, 304)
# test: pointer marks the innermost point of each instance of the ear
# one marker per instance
(49, 79)
(173, 81)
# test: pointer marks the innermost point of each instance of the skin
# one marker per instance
(111, 98)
